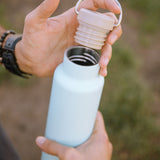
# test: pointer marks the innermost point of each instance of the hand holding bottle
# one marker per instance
(97, 147)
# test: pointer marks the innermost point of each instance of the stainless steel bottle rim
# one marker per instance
(83, 56)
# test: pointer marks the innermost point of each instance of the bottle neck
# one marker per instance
(81, 62)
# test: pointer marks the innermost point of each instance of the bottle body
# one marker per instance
(75, 97)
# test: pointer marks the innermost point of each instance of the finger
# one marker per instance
(105, 4)
(45, 10)
(103, 72)
(51, 147)
(110, 149)
(114, 35)
(106, 55)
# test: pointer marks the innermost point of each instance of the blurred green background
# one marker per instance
(131, 97)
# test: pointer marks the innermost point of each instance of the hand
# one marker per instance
(97, 147)
(45, 39)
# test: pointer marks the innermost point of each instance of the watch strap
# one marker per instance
(11, 42)
(8, 56)
(2, 39)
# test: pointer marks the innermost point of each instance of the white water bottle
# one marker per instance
(75, 96)
(77, 85)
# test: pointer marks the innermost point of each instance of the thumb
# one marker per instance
(51, 147)
(45, 9)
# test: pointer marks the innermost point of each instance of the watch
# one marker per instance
(8, 56)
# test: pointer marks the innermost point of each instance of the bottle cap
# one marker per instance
(93, 28)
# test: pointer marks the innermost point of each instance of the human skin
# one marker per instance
(2, 30)
(46, 38)
(97, 147)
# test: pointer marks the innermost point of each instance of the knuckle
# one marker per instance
(45, 10)
(28, 18)
(95, 3)
(110, 147)
(110, 55)
(121, 31)
(102, 63)
(106, 143)
(104, 139)
(110, 48)
(71, 153)
(47, 146)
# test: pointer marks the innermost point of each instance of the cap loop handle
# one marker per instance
(120, 16)
(77, 5)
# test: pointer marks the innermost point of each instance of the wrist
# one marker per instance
(2, 30)
(18, 56)
(8, 53)
(20, 59)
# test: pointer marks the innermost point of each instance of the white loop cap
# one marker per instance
(93, 28)
(120, 16)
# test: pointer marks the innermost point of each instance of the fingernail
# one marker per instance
(40, 140)
(113, 39)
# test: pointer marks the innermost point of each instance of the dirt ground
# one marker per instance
(23, 110)
(23, 114)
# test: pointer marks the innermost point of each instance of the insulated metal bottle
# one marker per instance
(75, 96)
(77, 85)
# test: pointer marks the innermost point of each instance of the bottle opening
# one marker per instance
(83, 56)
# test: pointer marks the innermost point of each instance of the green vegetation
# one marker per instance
(126, 106)
(3, 19)
(148, 23)
(150, 10)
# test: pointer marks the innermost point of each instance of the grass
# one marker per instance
(126, 108)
